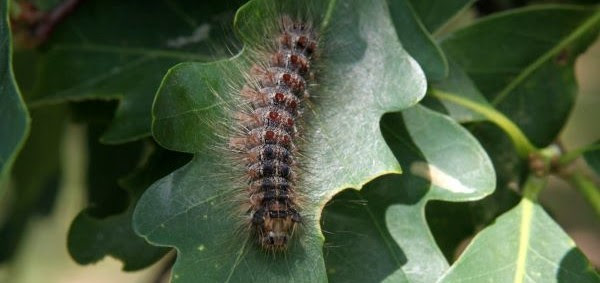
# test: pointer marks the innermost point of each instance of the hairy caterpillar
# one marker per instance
(274, 92)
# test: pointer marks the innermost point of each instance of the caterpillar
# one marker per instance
(275, 90)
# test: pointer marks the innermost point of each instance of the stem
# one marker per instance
(574, 154)
(587, 188)
(523, 146)
(533, 186)
(36, 25)
(45, 27)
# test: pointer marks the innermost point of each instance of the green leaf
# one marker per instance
(435, 13)
(460, 171)
(523, 245)
(92, 237)
(515, 56)
(446, 163)
(452, 223)
(14, 119)
(121, 49)
(417, 41)
(193, 209)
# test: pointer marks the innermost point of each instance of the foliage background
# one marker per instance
(30, 267)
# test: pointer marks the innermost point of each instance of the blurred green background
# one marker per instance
(43, 257)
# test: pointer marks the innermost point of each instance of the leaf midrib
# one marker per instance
(195, 110)
(186, 210)
(67, 93)
(156, 53)
(524, 236)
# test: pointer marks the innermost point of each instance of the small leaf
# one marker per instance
(435, 13)
(446, 163)
(460, 170)
(192, 209)
(417, 41)
(523, 245)
(452, 223)
(92, 237)
(121, 49)
(515, 56)
(14, 119)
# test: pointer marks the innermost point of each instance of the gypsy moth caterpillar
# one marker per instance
(275, 88)
(259, 97)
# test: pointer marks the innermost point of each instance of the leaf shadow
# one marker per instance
(574, 267)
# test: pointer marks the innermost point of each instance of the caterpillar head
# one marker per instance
(276, 233)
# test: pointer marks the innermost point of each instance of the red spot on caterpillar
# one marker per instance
(285, 40)
(273, 115)
(302, 40)
(279, 97)
(287, 78)
(269, 135)
(292, 104)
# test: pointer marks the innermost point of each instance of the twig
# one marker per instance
(587, 188)
(38, 25)
(45, 27)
